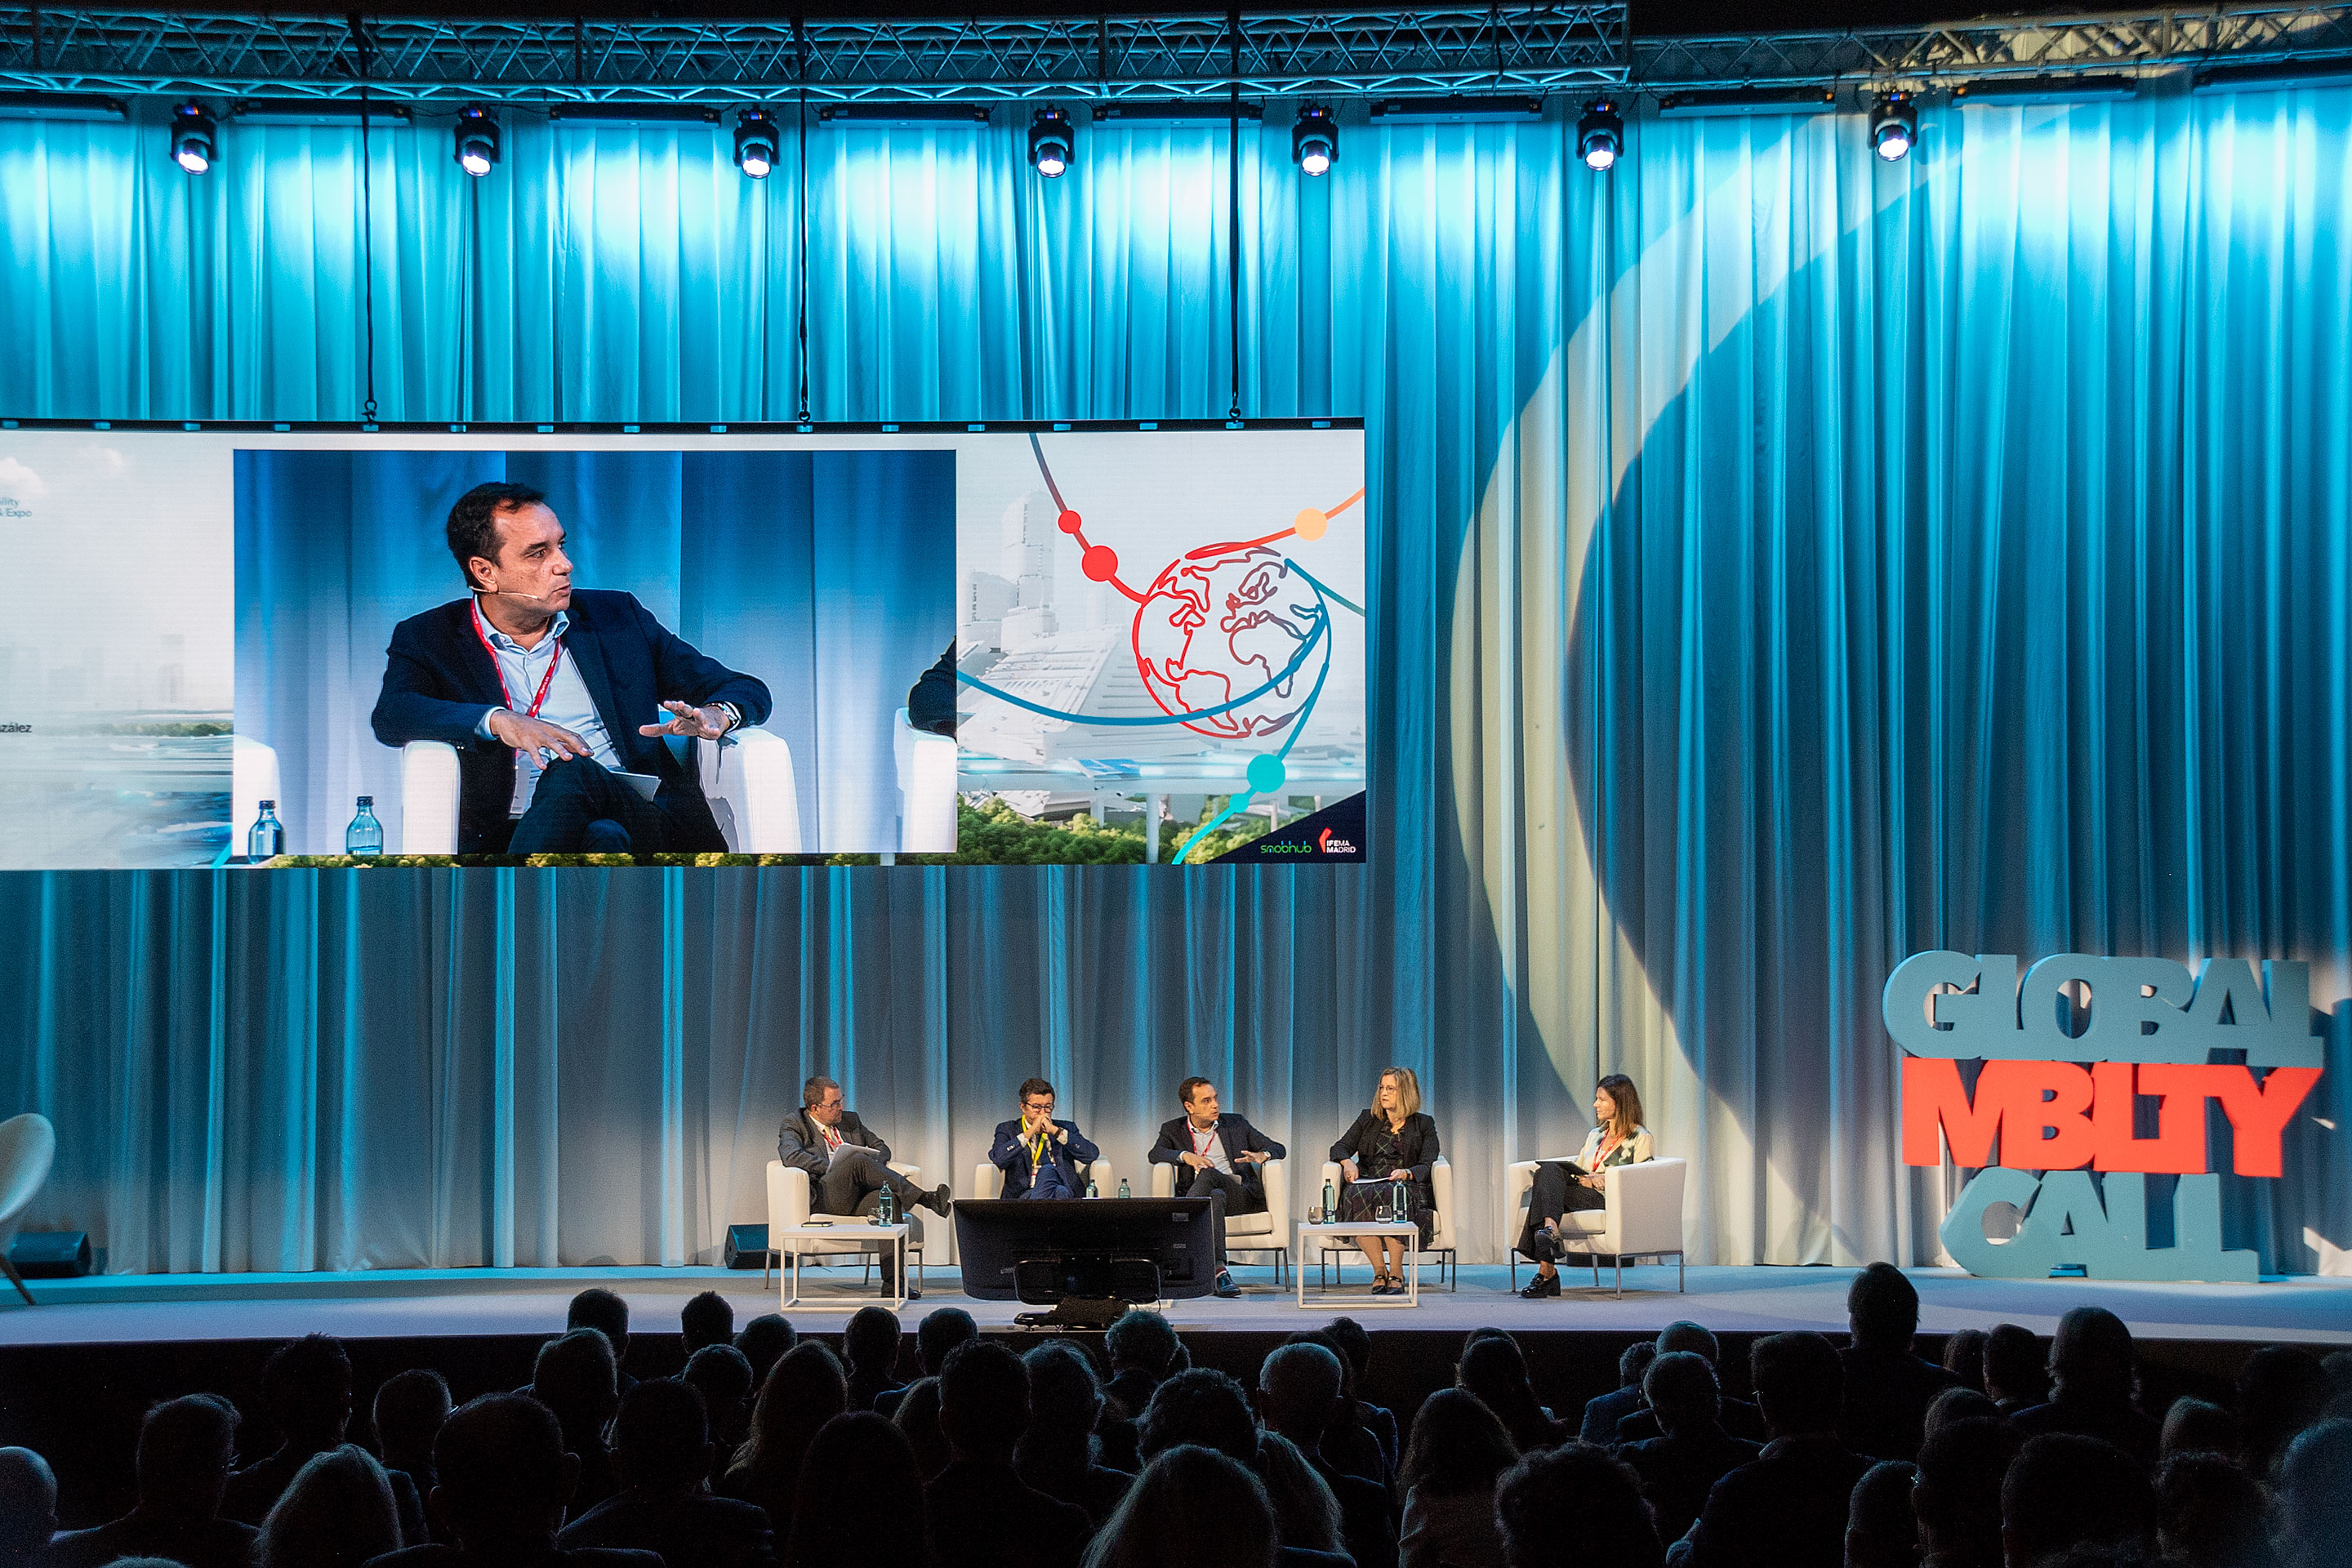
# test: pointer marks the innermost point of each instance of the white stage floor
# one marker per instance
(396, 1304)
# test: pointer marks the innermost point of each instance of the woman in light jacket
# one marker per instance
(1565, 1186)
(1393, 1140)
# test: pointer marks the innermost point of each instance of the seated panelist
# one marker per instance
(1040, 1156)
(848, 1166)
(1393, 1139)
(539, 686)
(1217, 1153)
(1567, 1186)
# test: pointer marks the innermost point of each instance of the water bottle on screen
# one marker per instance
(885, 1208)
(1122, 1188)
(365, 835)
(1093, 1191)
(1400, 1202)
(1331, 1203)
(267, 839)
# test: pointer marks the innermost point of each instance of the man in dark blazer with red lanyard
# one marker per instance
(541, 686)
(1217, 1153)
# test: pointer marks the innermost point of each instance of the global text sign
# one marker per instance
(2056, 1100)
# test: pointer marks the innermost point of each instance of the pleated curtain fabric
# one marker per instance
(1782, 563)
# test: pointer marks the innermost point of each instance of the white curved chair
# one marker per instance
(987, 1180)
(1267, 1232)
(788, 1204)
(28, 1147)
(1642, 1216)
(747, 776)
(1332, 1250)
(926, 788)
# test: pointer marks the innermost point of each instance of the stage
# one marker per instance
(490, 1303)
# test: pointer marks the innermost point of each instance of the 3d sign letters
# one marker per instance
(2068, 1101)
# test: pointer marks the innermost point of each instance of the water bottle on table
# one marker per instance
(266, 840)
(365, 837)
(1400, 1202)
(885, 1207)
(1122, 1188)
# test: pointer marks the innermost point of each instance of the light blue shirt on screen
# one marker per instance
(568, 703)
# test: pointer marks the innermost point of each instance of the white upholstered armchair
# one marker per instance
(1642, 1216)
(746, 775)
(1267, 1232)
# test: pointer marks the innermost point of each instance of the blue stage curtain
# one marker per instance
(1782, 563)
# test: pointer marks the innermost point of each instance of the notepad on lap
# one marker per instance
(645, 784)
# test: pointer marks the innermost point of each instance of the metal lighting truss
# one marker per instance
(1431, 51)
(1525, 49)
(1949, 53)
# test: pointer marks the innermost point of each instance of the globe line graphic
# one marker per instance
(1214, 613)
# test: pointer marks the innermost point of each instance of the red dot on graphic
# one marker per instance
(1101, 562)
(1069, 522)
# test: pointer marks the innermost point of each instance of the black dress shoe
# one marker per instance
(941, 1203)
(1540, 1287)
(1225, 1289)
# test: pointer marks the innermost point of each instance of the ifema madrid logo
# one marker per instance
(2050, 1105)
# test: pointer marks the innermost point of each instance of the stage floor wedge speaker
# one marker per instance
(50, 1253)
(747, 1247)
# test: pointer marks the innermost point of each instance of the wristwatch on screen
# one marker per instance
(734, 716)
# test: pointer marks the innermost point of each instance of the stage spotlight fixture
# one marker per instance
(1893, 126)
(1315, 140)
(755, 142)
(1050, 147)
(194, 137)
(1601, 135)
(477, 138)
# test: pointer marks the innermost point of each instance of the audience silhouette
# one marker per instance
(1057, 1454)
(183, 1468)
(983, 1515)
(860, 1497)
(759, 1452)
(336, 1513)
(804, 1391)
(662, 1460)
(870, 1346)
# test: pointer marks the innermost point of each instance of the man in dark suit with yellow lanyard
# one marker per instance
(1038, 1155)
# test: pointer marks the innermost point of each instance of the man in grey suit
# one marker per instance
(848, 1164)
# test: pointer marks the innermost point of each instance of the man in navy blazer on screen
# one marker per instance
(543, 688)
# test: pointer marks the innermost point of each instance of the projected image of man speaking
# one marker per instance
(537, 684)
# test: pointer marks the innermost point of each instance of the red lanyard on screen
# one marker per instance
(483, 636)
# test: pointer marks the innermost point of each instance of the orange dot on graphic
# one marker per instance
(1100, 562)
(1069, 522)
(1310, 523)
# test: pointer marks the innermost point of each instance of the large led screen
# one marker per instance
(984, 645)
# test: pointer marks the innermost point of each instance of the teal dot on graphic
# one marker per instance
(1267, 774)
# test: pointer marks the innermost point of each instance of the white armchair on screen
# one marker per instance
(747, 776)
(1644, 1216)
(1334, 1250)
(253, 778)
(927, 789)
(1267, 1232)
(788, 1204)
(988, 1182)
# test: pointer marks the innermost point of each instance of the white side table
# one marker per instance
(845, 1229)
(1309, 1233)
